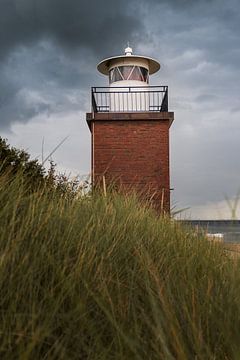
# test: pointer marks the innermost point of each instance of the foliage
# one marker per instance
(14, 161)
(102, 278)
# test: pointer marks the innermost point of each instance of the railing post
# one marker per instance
(164, 106)
(94, 105)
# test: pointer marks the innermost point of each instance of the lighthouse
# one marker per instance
(129, 125)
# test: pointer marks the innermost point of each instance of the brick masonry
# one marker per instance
(131, 151)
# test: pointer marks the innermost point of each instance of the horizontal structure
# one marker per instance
(131, 116)
(214, 226)
(130, 99)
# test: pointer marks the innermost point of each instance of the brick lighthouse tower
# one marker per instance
(130, 124)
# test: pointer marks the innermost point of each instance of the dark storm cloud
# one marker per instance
(89, 30)
(40, 79)
(211, 26)
(72, 23)
(104, 25)
(17, 105)
(75, 29)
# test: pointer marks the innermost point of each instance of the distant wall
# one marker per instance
(230, 228)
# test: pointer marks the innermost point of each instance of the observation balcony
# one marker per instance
(130, 99)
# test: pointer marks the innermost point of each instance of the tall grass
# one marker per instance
(103, 278)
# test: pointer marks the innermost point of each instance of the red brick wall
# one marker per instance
(134, 154)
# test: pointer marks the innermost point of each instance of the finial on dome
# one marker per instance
(128, 50)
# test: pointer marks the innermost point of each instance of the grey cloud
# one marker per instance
(15, 106)
(206, 98)
(80, 29)
(236, 109)
(212, 27)
(70, 29)
(40, 80)
(72, 23)
(209, 159)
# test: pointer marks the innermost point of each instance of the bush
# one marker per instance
(14, 162)
(103, 278)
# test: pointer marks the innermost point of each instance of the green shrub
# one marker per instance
(34, 175)
(13, 160)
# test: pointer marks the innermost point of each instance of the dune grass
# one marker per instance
(104, 278)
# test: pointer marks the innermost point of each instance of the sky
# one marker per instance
(49, 50)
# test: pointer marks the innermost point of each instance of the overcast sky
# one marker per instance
(48, 55)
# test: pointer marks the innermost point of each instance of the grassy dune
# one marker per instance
(103, 278)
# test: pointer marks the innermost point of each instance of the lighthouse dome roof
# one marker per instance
(105, 65)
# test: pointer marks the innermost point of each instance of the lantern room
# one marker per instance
(128, 69)
(129, 88)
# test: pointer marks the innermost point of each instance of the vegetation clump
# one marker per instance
(34, 175)
(102, 277)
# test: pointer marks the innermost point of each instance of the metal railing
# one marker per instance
(130, 99)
